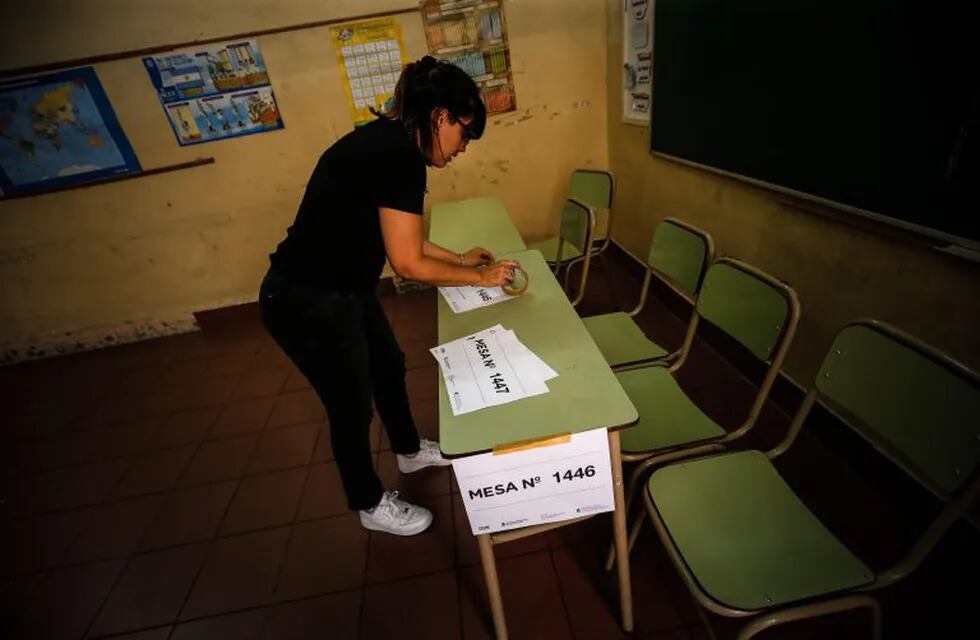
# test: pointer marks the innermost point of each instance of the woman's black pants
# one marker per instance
(343, 344)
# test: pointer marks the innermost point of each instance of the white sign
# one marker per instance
(462, 299)
(490, 368)
(537, 485)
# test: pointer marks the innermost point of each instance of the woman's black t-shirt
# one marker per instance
(335, 242)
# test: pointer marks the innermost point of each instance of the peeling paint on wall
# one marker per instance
(35, 348)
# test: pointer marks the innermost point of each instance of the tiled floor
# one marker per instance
(185, 488)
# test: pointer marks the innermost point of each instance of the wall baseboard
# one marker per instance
(47, 346)
(36, 347)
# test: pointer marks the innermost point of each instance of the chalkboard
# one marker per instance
(868, 105)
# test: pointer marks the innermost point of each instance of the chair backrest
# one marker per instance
(593, 187)
(747, 304)
(577, 224)
(680, 252)
(914, 404)
(577, 228)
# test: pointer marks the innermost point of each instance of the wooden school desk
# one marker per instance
(585, 395)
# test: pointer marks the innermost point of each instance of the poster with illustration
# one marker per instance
(215, 92)
(371, 56)
(59, 130)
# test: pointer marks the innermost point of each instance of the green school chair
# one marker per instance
(679, 254)
(745, 544)
(595, 189)
(575, 233)
(751, 307)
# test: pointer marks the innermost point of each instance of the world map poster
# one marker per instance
(59, 130)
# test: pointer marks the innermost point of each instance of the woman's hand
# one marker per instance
(498, 273)
(477, 256)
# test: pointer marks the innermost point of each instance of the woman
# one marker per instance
(364, 203)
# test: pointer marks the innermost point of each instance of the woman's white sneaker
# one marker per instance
(429, 455)
(393, 515)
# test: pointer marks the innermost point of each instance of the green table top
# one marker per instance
(585, 395)
(464, 224)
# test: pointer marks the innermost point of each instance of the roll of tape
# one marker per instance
(519, 285)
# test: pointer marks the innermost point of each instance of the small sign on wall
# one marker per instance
(637, 60)
(562, 479)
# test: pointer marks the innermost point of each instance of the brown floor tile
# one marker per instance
(65, 601)
(114, 529)
(591, 598)
(656, 584)
(532, 600)
(242, 416)
(323, 494)
(15, 597)
(422, 384)
(433, 481)
(295, 381)
(37, 543)
(236, 626)
(125, 439)
(203, 393)
(467, 549)
(323, 556)
(595, 533)
(186, 427)
(219, 460)
(428, 605)
(134, 437)
(334, 617)
(189, 346)
(26, 457)
(159, 633)
(237, 360)
(296, 407)
(80, 486)
(151, 589)
(417, 353)
(190, 515)
(189, 369)
(282, 448)
(673, 634)
(265, 501)
(394, 557)
(155, 471)
(255, 383)
(123, 406)
(271, 355)
(227, 582)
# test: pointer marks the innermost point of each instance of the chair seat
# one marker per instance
(620, 340)
(745, 536)
(668, 418)
(549, 249)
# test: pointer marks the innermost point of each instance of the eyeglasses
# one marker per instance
(468, 134)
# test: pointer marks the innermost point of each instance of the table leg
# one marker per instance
(493, 585)
(619, 534)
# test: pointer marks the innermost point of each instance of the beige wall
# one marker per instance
(840, 271)
(138, 257)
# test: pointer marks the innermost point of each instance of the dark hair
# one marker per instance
(429, 85)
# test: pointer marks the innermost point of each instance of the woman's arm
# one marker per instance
(402, 233)
(477, 256)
